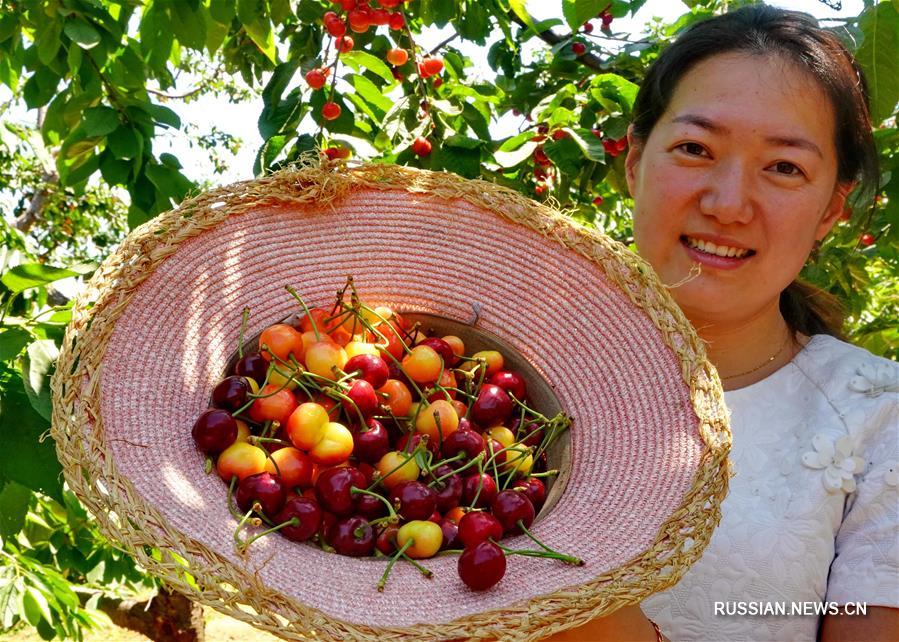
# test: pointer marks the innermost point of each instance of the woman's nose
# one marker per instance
(728, 195)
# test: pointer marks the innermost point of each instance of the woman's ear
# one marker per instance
(834, 210)
(632, 160)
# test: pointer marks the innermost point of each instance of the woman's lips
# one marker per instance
(714, 260)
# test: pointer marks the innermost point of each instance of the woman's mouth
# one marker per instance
(715, 255)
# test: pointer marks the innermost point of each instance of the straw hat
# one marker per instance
(648, 447)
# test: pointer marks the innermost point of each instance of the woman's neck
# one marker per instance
(748, 351)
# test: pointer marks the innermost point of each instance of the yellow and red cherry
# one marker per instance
(492, 407)
(482, 566)
(281, 341)
(254, 366)
(397, 57)
(333, 488)
(335, 446)
(443, 348)
(352, 536)
(214, 431)
(293, 466)
(263, 488)
(371, 442)
(359, 19)
(308, 518)
(231, 392)
(240, 460)
(426, 538)
(380, 17)
(455, 514)
(323, 357)
(306, 425)
(371, 368)
(345, 44)
(502, 434)
(511, 382)
(396, 396)
(494, 361)
(397, 467)
(495, 451)
(518, 459)
(413, 500)
(438, 420)
(457, 346)
(430, 66)
(334, 25)
(330, 110)
(478, 526)
(390, 4)
(422, 364)
(274, 405)
(472, 484)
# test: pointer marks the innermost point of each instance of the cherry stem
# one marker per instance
(421, 569)
(244, 318)
(293, 521)
(239, 543)
(231, 508)
(546, 552)
(336, 394)
(400, 553)
(477, 494)
(547, 473)
(361, 491)
(207, 465)
(295, 295)
(474, 461)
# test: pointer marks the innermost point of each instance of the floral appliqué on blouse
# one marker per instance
(873, 379)
(836, 458)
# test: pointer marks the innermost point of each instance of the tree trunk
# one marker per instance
(167, 617)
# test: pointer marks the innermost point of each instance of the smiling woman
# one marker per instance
(749, 134)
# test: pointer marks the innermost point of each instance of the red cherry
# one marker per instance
(359, 20)
(478, 526)
(379, 17)
(511, 506)
(413, 500)
(386, 541)
(492, 407)
(254, 366)
(214, 431)
(363, 394)
(315, 78)
(370, 507)
(579, 49)
(389, 4)
(333, 489)
(421, 146)
(347, 5)
(470, 485)
(540, 157)
(231, 393)
(345, 44)
(466, 440)
(450, 534)
(352, 536)
(867, 239)
(372, 444)
(371, 367)
(559, 134)
(534, 489)
(442, 348)
(436, 83)
(306, 512)
(396, 21)
(511, 382)
(430, 66)
(335, 27)
(264, 488)
(482, 566)
(330, 110)
(397, 57)
(597, 201)
(449, 490)
(588, 27)
(606, 19)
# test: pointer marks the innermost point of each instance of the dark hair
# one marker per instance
(794, 36)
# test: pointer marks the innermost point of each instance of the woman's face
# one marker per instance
(738, 176)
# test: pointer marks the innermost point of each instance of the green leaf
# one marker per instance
(565, 154)
(35, 606)
(37, 368)
(48, 42)
(222, 11)
(371, 94)
(513, 143)
(82, 32)
(9, 599)
(577, 12)
(100, 121)
(590, 145)
(253, 16)
(162, 115)
(114, 171)
(189, 25)
(14, 502)
(31, 275)
(513, 158)
(125, 143)
(520, 9)
(268, 152)
(878, 57)
(12, 341)
(622, 91)
(40, 87)
(170, 182)
(357, 59)
(459, 159)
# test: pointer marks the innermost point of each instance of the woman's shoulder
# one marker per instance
(846, 368)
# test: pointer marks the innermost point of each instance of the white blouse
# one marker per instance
(812, 515)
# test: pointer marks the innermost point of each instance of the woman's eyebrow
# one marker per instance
(716, 128)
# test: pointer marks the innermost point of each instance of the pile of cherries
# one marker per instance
(359, 432)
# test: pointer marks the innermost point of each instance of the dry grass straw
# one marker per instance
(191, 568)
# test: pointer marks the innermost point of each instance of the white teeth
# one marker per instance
(720, 250)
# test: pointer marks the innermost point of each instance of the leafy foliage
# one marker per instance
(98, 75)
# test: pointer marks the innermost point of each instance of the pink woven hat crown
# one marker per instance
(645, 465)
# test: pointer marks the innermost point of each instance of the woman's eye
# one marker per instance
(693, 149)
(784, 167)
